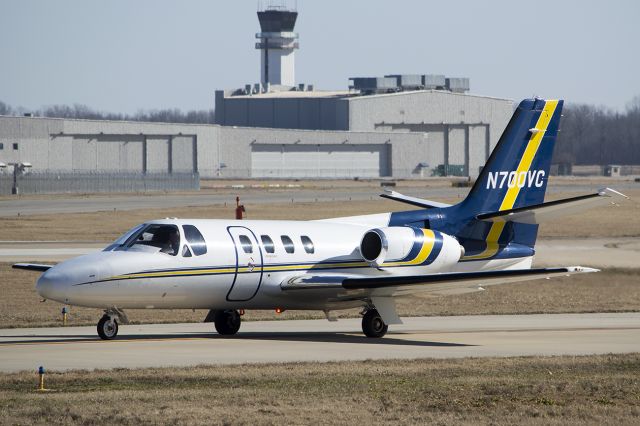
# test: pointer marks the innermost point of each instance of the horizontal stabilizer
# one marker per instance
(434, 284)
(539, 213)
(414, 201)
(32, 267)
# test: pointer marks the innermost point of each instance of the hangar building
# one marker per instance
(450, 133)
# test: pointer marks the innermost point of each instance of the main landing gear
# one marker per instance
(227, 322)
(373, 325)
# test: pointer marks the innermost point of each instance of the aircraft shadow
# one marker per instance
(323, 337)
(327, 337)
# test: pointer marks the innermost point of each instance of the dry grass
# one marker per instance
(622, 220)
(557, 391)
(608, 291)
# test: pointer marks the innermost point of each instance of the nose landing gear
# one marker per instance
(107, 328)
(373, 325)
(108, 324)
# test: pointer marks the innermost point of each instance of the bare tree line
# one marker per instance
(79, 111)
(597, 135)
(589, 134)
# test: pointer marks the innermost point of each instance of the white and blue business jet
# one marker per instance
(363, 261)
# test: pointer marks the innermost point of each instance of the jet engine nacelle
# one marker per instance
(395, 246)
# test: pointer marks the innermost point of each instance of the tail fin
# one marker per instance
(515, 175)
(517, 170)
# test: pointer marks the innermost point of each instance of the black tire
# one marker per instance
(107, 329)
(227, 322)
(372, 324)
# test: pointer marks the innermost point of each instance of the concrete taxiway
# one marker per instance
(319, 340)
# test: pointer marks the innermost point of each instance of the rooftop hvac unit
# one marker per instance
(368, 85)
(434, 81)
(407, 81)
(458, 85)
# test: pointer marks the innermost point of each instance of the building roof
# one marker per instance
(350, 94)
(298, 94)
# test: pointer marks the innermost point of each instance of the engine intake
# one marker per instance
(406, 246)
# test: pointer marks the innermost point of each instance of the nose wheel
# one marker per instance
(107, 328)
(227, 322)
(373, 325)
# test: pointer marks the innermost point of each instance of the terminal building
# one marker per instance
(397, 126)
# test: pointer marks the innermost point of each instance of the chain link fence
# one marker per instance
(51, 182)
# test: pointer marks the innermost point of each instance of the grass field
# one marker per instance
(607, 291)
(601, 390)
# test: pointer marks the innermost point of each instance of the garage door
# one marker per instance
(327, 161)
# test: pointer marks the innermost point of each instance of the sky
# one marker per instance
(127, 55)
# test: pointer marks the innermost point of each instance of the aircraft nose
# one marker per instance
(52, 285)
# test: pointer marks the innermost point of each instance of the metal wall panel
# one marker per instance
(260, 112)
(131, 156)
(84, 154)
(456, 146)
(286, 114)
(236, 112)
(157, 155)
(325, 161)
(309, 114)
(477, 148)
(182, 153)
(108, 153)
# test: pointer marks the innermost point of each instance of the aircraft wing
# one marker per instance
(414, 201)
(433, 284)
(32, 266)
(553, 209)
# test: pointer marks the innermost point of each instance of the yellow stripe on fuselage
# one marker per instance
(492, 243)
(423, 254)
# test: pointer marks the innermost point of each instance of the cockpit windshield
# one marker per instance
(150, 238)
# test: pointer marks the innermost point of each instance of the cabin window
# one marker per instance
(267, 243)
(307, 244)
(196, 240)
(287, 243)
(164, 237)
(245, 242)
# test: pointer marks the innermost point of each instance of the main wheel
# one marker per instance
(227, 322)
(107, 328)
(372, 324)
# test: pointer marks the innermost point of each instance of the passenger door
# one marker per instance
(248, 273)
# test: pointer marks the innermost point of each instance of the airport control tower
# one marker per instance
(277, 45)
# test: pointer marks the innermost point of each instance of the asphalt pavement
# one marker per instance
(181, 345)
